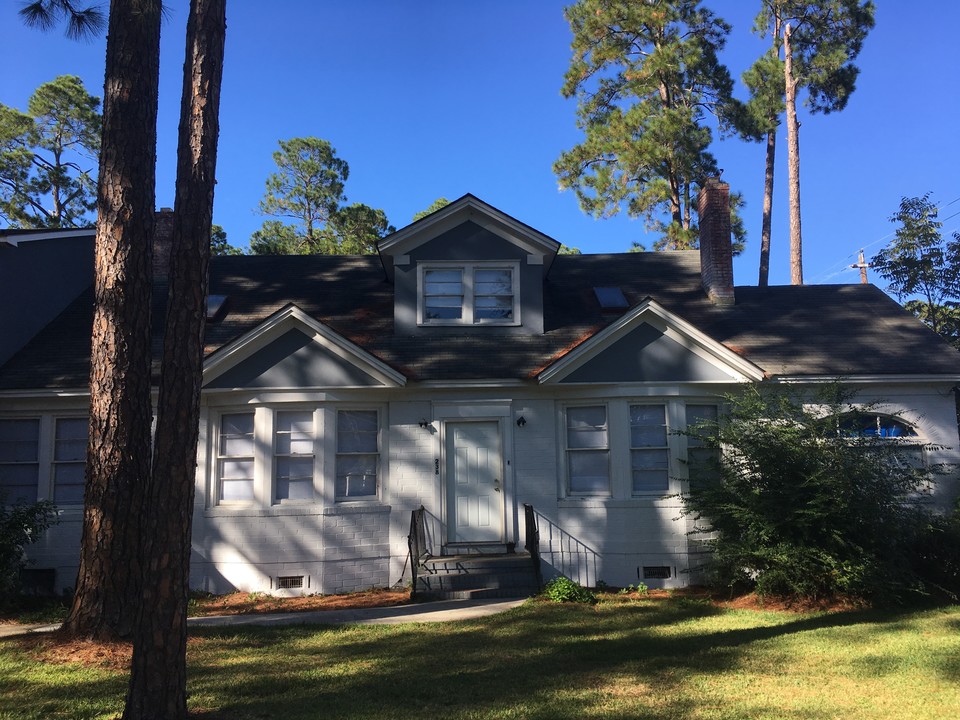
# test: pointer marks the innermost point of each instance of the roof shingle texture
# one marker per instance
(821, 330)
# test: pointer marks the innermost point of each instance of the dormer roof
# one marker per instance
(469, 208)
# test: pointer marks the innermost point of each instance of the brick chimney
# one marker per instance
(162, 243)
(716, 248)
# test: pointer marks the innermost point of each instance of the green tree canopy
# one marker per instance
(645, 76)
(48, 157)
(219, 245)
(308, 189)
(438, 204)
(923, 268)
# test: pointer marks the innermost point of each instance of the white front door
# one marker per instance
(474, 482)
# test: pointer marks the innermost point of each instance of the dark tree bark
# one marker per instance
(793, 163)
(765, 226)
(158, 672)
(118, 456)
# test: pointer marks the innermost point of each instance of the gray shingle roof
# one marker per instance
(823, 330)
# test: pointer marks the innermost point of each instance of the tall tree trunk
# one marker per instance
(793, 162)
(767, 207)
(118, 455)
(158, 671)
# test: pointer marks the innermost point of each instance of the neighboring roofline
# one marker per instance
(700, 343)
(863, 379)
(241, 348)
(15, 236)
(46, 393)
(474, 209)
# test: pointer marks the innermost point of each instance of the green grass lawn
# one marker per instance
(673, 658)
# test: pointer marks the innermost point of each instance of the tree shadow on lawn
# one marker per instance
(540, 661)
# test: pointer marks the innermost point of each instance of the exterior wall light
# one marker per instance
(424, 423)
(521, 421)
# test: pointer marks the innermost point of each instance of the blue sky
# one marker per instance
(433, 98)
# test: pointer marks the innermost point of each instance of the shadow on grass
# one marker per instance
(543, 661)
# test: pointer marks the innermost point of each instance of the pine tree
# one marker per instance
(645, 76)
(819, 40)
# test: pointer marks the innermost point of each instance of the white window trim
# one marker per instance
(324, 455)
(619, 446)
(565, 451)
(469, 269)
(45, 450)
(376, 496)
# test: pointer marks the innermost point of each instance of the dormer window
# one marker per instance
(468, 294)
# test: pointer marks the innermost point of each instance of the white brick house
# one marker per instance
(467, 369)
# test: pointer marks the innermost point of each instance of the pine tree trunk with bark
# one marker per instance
(158, 672)
(793, 162)
(118, 457)
(767, 220)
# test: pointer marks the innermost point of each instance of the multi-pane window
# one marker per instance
(701, 459)
(19, 460)
(69, 459)
(443, 294)
(235, 459)
(358, 454)
(492, 294)
(469, 294)
(630, 448)
(649, 453)
(588, 450)
(293, 455)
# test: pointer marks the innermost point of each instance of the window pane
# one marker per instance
(295, 478)
(493, 282)
(19, 470)
(697, 415)
(19, 440)
(294, 431)
(356, 475)
(356, 431)
(648, 426)
(440, 308)
(236, 435)
(493, 308)
(19, 483)
(236, 490)
(589, 472)
(71, 439)
(650, 469)
(702, 461)
(68, 484)
(289, 489)
(236, 469)
(587, 427)
(445, 276)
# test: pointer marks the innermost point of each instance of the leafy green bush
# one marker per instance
(563, 589)
(801, 503)
(936, 554)
(20, 525)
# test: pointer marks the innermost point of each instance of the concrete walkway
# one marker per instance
(438, 611)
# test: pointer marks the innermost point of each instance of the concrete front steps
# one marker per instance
(465, 577)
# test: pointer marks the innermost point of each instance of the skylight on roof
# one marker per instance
(611, 298)
(215, 304)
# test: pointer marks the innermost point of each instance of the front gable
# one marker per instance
(650, 345)
(292, 350)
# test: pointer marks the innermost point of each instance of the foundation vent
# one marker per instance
(657, 572)
(289, 582)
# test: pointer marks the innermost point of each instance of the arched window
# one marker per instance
(875, 425)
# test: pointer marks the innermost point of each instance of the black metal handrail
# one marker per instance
(417, 544)
(532, 544)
